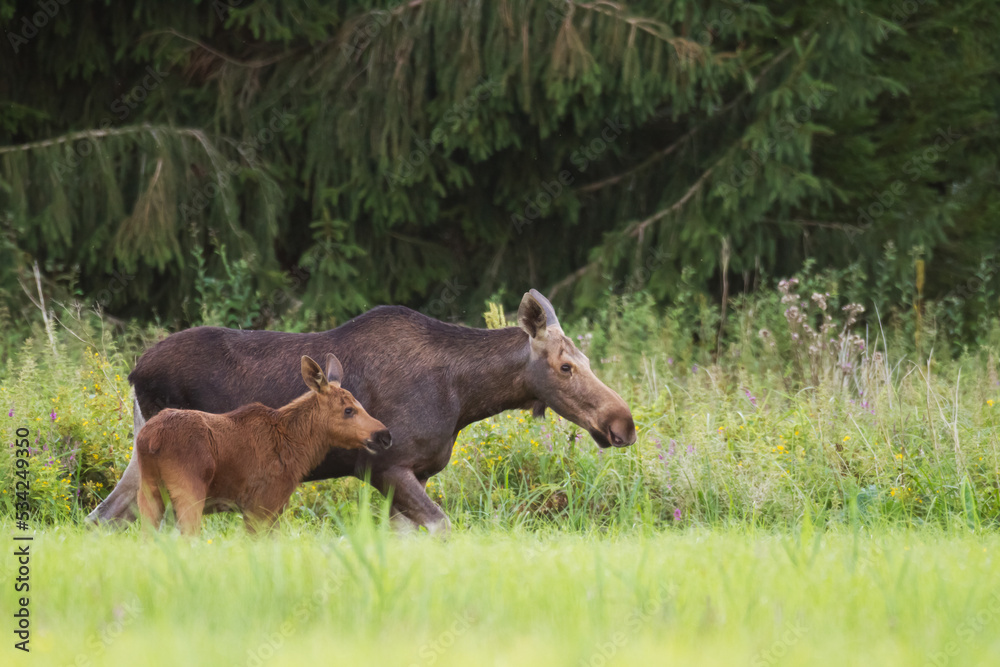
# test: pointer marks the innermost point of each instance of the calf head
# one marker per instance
(559, 375)
(344, 421)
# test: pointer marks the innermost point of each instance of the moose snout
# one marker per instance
(382, 439)
(621, 432)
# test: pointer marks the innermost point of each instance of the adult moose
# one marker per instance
(424, 379)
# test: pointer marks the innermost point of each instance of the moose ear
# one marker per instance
(535, 314)
(313, 375)
(334, 371)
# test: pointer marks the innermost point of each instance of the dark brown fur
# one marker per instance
(252, 457)
(425, 379)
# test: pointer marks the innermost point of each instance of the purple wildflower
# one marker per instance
(672, 450)
(694, 368)
(677, 514)
(690, 449)
(53, 416)
(11, 413)
(670, 361)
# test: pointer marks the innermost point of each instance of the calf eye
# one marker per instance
(566, 368)
(348, 412)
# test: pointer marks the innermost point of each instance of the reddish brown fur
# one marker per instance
(252, 457)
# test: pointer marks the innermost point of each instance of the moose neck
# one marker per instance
(301, 447)
(491, 374)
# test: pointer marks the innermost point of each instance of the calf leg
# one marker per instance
(188, 497)
(117, 508)
(411, 506)
(151, 506)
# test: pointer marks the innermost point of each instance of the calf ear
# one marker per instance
(313, 375)
(538, 409)
(334, 371)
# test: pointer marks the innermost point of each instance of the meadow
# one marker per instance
(819, 485)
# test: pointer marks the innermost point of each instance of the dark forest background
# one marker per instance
(312, 159)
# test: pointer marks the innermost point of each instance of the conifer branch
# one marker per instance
(115, 132)
(690, 134)
(248, 64)
(655, 157)
(639, 228)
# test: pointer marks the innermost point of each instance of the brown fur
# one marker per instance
(252, 457)
(424, 379)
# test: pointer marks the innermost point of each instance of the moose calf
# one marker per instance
(252, 457)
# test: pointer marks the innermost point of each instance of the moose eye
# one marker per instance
(566, 368)
(348, 412)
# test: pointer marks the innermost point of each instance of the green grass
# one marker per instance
(785, 504)
(314, 594)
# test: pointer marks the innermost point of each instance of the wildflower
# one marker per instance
(846, 438)
(11, 413)
(672, 450)
(990, 402)
(677, 514)
(53, 416)
(690, 449)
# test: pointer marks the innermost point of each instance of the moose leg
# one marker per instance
(117, 508)
(411, 506)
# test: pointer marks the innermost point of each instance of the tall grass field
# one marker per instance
(814, 483)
